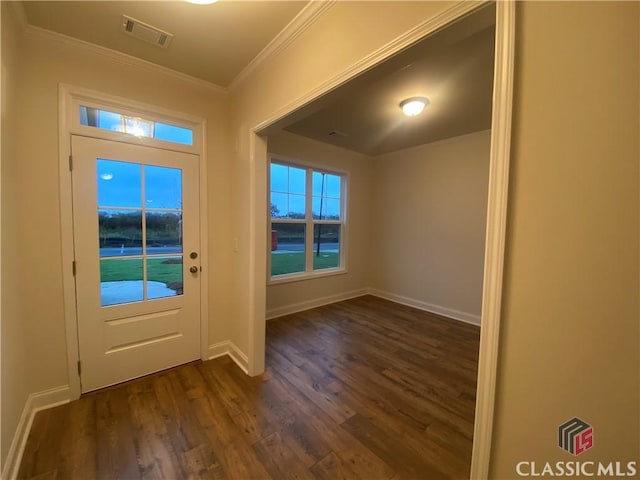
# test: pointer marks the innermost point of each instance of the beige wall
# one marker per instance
(428, 224)
(343, 35)
(34, 190)
(570, 333)
(416, 224)
(358, 168)
(569, 341)
(15, 374)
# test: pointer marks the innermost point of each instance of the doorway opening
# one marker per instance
(496, 206)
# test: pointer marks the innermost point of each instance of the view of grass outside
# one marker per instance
(283, 263)
(167, 270)
(304, 203)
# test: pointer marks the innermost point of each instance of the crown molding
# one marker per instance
(303, 20)
(123, 58)
(417, 33)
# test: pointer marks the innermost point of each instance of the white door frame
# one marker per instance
(69, 98)
(496, 208)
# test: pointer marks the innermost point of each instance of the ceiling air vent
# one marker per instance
(145, 32)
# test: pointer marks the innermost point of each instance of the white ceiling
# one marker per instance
(211, 42)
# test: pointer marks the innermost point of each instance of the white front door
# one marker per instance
(135, 215)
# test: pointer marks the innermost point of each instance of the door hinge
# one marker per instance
(70, 163)
(79, 368)
(73, 267)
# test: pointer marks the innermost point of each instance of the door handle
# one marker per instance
(193, 269)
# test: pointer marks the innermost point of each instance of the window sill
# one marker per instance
(301, 277)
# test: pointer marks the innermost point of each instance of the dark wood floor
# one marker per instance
(362, 389)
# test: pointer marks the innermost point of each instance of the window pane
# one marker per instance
(110, 121)
(297, 180)
(279, 178)
(164, 277)
(326, 196)
(296, 206)
(279, 205)
(119, 184)
(287, 248)
(120, 281)
(318, 183)
(287, 206)
(333, 186)
(120, 232)
(286, 179)
(162, 187)
(171, 133)
(288, 185)
(327, 238)
(332, 209)
(140, 127)
(326, 208)
(164, 232)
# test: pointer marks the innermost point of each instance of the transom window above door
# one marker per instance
(307, 220)
(134, 125)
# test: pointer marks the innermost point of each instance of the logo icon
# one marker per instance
(575, 436)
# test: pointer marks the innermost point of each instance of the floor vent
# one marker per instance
(145, 32)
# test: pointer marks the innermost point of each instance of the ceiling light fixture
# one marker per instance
(414, 106)
(201, 2)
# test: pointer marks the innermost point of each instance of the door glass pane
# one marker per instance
(121, 281)
(164, 232)
(326, 246)
(287, 248)
(164, 277)
(162, 187)
(119, 184)
(120, 232)
(143, 193)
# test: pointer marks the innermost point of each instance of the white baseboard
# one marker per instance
(428, 307)
(229, 348)
(35, 402)
(316, 302)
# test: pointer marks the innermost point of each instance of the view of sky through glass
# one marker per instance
(139, 223)
(288, 187)
(140, 127)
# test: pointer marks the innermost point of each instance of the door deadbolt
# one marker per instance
(193, 255)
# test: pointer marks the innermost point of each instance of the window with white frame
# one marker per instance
(307, 219)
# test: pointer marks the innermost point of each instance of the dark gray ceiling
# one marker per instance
(453, 68)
